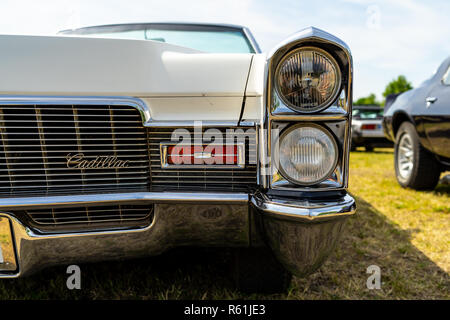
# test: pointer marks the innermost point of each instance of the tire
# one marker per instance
(256, 270)
(415, 167)
(369, 148)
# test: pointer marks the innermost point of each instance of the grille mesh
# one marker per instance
(203, 178)
(35, 141)
(85, 217)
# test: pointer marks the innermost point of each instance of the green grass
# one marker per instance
(405, 232)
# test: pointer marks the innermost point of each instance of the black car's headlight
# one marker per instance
(308, 154)
(308, 79)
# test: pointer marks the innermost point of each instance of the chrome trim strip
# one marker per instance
(192, 124)
(304, 210)
(79, 100)
(252, 40)
(116, 198)
(311, 117)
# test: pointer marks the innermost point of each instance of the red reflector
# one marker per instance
(368, 126)
(206, 154)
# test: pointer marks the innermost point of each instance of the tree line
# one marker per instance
(396, 86)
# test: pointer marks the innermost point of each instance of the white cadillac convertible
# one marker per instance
(127, 140)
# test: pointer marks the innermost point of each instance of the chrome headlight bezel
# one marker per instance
(328, 102)
(324, 130)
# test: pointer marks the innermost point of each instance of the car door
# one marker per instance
(436, 117)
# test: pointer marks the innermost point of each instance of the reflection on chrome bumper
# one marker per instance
(176, 224)
(300, 233)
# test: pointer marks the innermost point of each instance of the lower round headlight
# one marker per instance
(308, 154)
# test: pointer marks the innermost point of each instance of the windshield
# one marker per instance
(207, 39)
(368, 114)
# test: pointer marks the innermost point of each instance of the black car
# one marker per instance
(419, 124)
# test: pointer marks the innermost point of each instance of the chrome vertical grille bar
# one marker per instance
(42, 142)
(113, 136)
(53, 215)
(79, 141)
(4, 141)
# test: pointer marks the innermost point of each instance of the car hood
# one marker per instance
(72, 65)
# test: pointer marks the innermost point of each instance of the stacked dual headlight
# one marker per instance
(308, 80)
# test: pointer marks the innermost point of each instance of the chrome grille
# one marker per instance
(92, 216)
(35, 141)
(203, 178)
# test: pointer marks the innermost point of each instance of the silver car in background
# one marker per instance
(367, 130)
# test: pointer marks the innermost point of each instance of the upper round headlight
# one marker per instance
(308, 79)
(308, 154)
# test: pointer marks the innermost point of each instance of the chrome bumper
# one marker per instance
(300, 233)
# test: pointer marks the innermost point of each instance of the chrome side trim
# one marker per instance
(117, 198)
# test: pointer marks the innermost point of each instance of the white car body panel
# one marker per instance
(255, 84)
(176, 83)
(194, 108)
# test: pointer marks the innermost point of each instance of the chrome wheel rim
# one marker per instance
(405, 156)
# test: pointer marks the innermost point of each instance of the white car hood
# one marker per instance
(91, 66)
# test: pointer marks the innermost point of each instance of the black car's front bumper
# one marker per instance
(301, 233)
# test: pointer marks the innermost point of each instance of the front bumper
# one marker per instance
(301, 233)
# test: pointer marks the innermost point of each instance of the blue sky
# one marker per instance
(387, 38)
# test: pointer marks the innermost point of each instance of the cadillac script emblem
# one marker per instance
(80, 161)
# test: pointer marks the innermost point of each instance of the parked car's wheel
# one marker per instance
(369, 148)
(257, 270)
(415, 167)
